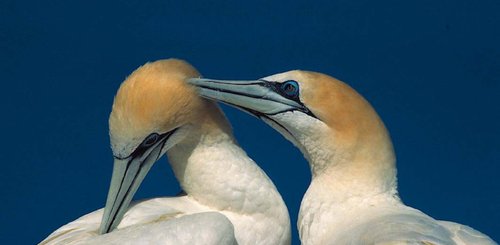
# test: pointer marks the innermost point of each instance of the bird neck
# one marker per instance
(352, 167)
(364, 165)
(358, 158)
(214, 170)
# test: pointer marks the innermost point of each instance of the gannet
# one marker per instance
(227, 199)
(352, 197)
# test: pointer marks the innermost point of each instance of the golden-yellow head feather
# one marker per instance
(358, 134)
(339, 106)
(355, 132)
(155, 98)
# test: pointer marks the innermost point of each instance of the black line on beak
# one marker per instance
(161, 149)
(164, 137)
(118, 193)
(262, 115)
(264, 83)
(241, 83)
(126, 193)
(233, 92)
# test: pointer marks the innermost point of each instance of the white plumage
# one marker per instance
(352, 197)
(198, 228)
(228, 200)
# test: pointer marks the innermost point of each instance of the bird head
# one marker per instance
(153, 110)
(327, 119)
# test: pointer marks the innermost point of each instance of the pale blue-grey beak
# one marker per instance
(128, 174)
(259, 97)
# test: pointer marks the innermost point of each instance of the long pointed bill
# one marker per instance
(257, 97)
(127, 177)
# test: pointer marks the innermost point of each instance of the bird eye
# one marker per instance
(150, 140)
(290, 88)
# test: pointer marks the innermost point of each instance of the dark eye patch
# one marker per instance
(150, 140)
(290, 89)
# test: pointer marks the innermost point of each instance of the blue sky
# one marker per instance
(430, 68)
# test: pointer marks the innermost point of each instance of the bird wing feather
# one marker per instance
(411, 227)
(463, 234)
(163, 218)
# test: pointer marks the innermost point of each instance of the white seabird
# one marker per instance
(228, 197)
(352, 197)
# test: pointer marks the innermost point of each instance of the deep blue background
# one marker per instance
(430, 68)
